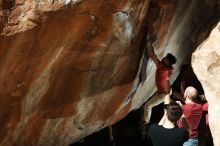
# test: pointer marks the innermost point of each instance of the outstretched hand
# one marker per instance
(150, 49)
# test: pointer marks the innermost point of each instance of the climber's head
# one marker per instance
(169, 59)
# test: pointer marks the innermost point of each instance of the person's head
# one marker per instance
(169, 59)
(191, 93)
(174, 111)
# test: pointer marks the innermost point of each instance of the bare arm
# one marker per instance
(151, 52)
(186, 124)
(180, 96)
(166, 101)
(182, 87)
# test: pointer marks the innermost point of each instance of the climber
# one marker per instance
(164, 68)
(166, 133)
(162, 77)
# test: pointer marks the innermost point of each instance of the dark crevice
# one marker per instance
(143, 74)
(188, 76)
(126, 132)
(93, 31)
(79, 126)
(5, 8)
(7, 4)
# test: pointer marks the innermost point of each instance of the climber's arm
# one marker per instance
(151, 52)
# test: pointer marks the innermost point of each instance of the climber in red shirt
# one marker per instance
(164, 68)
(162, 77)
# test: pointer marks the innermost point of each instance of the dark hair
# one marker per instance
(171, 58)
(174, 111)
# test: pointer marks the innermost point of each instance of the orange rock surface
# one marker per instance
(69, 68)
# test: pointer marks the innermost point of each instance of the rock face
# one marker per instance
(208, 54)
(69, 68)
(66, 68)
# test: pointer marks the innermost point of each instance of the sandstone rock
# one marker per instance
(68, 75)
(206, 64)
(69, 68)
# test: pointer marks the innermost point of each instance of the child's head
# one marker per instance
(174, 111)
(169, 59)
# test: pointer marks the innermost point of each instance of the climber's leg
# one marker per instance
(154, 101)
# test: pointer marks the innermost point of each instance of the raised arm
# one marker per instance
(167, 99)
(151, 52)
(166, 102)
